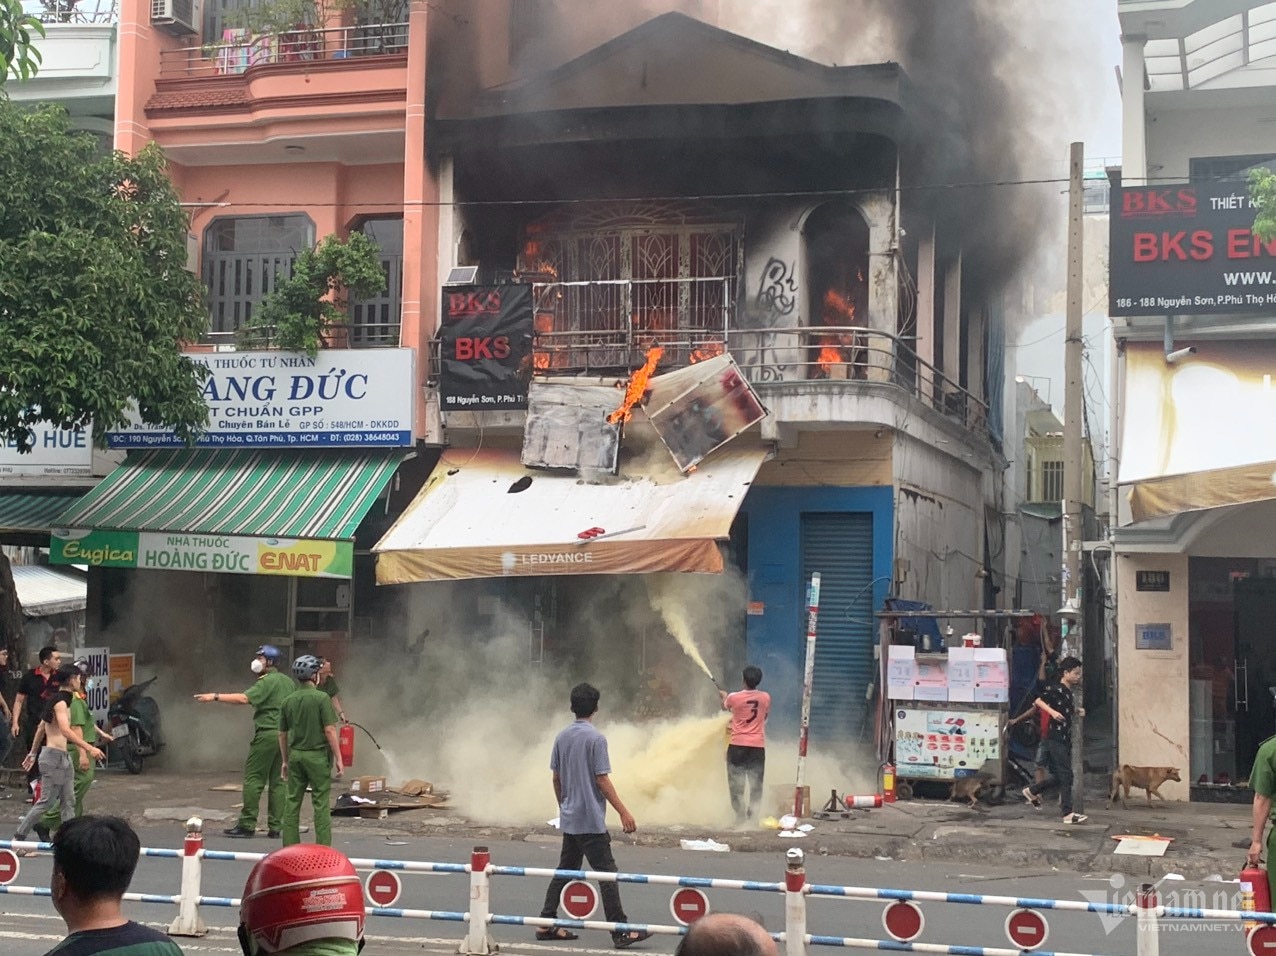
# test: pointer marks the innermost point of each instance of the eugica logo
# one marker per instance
(1151, 203)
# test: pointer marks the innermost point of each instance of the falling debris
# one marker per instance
(637, 387)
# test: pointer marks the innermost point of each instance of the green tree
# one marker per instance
(1262, 190)
(18, 55)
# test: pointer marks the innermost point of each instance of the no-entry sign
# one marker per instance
(579, 899)
(688, 904)
(383, 888)
(1027, 929)
(8, 867)
(903, 921)
(1261, 940)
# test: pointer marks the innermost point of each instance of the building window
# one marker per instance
(244, 259)
(1051, 481)
(375, 321)
(1203, 169)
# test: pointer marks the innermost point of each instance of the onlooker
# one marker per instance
(93, 863)
(84, 767)
(6, 726)
(37, 685)
(582, 789)
(328, 684)
(1057, 704)
(309, 746)
(726, 934)
(746, 753)
(278, 914)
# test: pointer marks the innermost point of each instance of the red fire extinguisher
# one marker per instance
(1256, 877)
(345, 740)
(888, 783)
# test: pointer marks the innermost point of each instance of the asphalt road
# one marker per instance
(30, 927)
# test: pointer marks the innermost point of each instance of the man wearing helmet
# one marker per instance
(303, 900)
(262, 767)
(83, 766)
(310, 749)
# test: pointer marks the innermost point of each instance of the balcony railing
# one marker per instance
(238, 50)
(73, 11)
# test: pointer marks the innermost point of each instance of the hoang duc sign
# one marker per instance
(222, 554)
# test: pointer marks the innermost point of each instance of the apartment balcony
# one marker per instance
(78, 59)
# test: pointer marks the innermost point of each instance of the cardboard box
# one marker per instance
(367, 785)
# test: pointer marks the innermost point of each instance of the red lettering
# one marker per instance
(1146, 203)
(1131, 203)
(1187, 201)
(464, 349)
(1202, 245)
(473, 303)
(1145, 247)
(1172, 242)
(1243, 244)
(474, 348)
(1158, 204)
(501, 346)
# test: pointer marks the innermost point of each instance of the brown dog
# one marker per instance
(969, 789)
(1147, 778)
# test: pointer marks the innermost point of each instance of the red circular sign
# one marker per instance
(383, 888)
(1261, 940)
(903, 921)
(579, 899)
(688, 904)
(8, 867)
(1027, 929)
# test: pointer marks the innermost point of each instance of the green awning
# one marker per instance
(318, 493)
(25, 513)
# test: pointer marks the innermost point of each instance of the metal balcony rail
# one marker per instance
(238, 50)
(73, 11)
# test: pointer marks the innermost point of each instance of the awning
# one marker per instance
(1200, 433)
(43, 591)
(483, 514)
(237, 511)
(23, 512)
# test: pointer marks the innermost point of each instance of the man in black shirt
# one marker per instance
(36, 687)
(1057, 704)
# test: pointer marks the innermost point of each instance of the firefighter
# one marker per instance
(309, 747)
(261, 768)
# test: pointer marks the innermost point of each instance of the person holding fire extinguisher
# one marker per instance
(1262, 778)
(310, 749)
(328, 684)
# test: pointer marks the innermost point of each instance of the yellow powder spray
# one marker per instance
(673, 611)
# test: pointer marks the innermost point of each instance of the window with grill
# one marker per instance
(375, 321)
(1051, 481)
(1207, 168)
(244, 259)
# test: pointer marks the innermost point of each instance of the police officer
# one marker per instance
(82, 764)
(261, 769)
(310, 749)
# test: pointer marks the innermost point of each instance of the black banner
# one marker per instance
(485, 347)
(1188, 250)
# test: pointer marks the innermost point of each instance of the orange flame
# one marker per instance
(830, 355)
(840, 306)
(540, 360)
(637, 387)
(707, 351)
(545, 268)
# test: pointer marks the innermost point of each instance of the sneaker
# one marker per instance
(42, 832)
(240, 833)
(1073, 818)
(274, 834)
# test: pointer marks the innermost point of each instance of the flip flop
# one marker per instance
(625, 940)
(1033, 801)
(1072, 818)
(556, 933)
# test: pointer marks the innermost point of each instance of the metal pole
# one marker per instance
(795, 903)
(808, 677)
(477, 940)
(1073, 461)
(189, 922)
(1146, 909)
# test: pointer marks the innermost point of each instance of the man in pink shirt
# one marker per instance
(746, 754)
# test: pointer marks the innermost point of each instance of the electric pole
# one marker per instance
(1074, 464)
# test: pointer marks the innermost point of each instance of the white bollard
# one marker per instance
(1146, 906)
(477, 941)
(188, 922)
(795, 903)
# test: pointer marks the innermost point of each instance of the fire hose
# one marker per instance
(366, 731)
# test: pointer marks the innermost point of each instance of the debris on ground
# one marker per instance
(712, 846)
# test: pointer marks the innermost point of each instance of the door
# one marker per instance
(1254, 671)
(840, 547)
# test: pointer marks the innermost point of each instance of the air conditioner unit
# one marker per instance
(174, 16)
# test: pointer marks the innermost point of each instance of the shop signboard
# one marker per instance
(339, 398)
(57, 452)
(121, 675)
(99, 697)
(943, 743)
(223, 554)
(485, 348)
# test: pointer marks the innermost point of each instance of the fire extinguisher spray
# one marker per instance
(345, 741)
(888, 783)
(1256, 894)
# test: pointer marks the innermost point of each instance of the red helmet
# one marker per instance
(298, 894)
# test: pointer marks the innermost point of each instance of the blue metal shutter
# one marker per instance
(840, 547)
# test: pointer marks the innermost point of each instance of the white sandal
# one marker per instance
(1073, 818)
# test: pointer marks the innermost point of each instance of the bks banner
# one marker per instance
(1188, 250)
(485, 347)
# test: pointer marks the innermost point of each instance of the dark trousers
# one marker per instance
(745, 765)
(596, 848)
(1058, 773)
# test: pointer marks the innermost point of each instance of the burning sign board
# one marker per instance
(699, 409)
(567, 427)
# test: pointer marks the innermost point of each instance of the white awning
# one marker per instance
(43, 591)
(471, 520)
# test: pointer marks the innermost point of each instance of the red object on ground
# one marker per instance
(1256, 876)
(345, 742)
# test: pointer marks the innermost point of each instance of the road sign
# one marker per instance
(688, 904)
(1027, 929)
(903, 921)
(8, 867)
(579, 899)
(1261, 940)
(383, 887)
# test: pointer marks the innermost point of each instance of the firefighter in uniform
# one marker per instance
(309, 745)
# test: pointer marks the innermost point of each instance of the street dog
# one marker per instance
(969, 789)
(1148, 779)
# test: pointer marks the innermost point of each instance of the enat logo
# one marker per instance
(1153, 203)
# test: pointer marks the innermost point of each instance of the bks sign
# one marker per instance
(1188, 250)
(485, 347)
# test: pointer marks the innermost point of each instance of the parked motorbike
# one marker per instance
(134, 720)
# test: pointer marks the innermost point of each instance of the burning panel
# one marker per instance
(714, 405)
(567, 427)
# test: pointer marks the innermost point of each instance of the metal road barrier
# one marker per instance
(903, 920)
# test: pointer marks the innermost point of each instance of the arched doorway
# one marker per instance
(835, 243)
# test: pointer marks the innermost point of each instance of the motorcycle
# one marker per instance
(134, 720)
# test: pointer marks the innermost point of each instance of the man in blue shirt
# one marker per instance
(583, 788)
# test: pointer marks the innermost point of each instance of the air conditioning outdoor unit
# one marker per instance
(174, 16)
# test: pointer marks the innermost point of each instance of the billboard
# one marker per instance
(1188, 250)
(485, 348)
(57, 452)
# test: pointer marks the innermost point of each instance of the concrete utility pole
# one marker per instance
(1074, 462)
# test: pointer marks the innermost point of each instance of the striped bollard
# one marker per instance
(795, 903)
(189, 922)
(477, 940)
(1145, 909)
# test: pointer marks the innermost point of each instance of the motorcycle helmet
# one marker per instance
(297, 895)
(83, 664)
(270, 652)
(306, 667)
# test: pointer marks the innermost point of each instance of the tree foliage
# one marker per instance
(18, 30)
(301, 308)
(95, 297)
(1262, 190)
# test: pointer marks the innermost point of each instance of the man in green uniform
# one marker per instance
(83, 765)
(1262, 778)
(261, 769)
(327, 682)
(310, 749)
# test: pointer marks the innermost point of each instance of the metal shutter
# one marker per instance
(840, 547)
